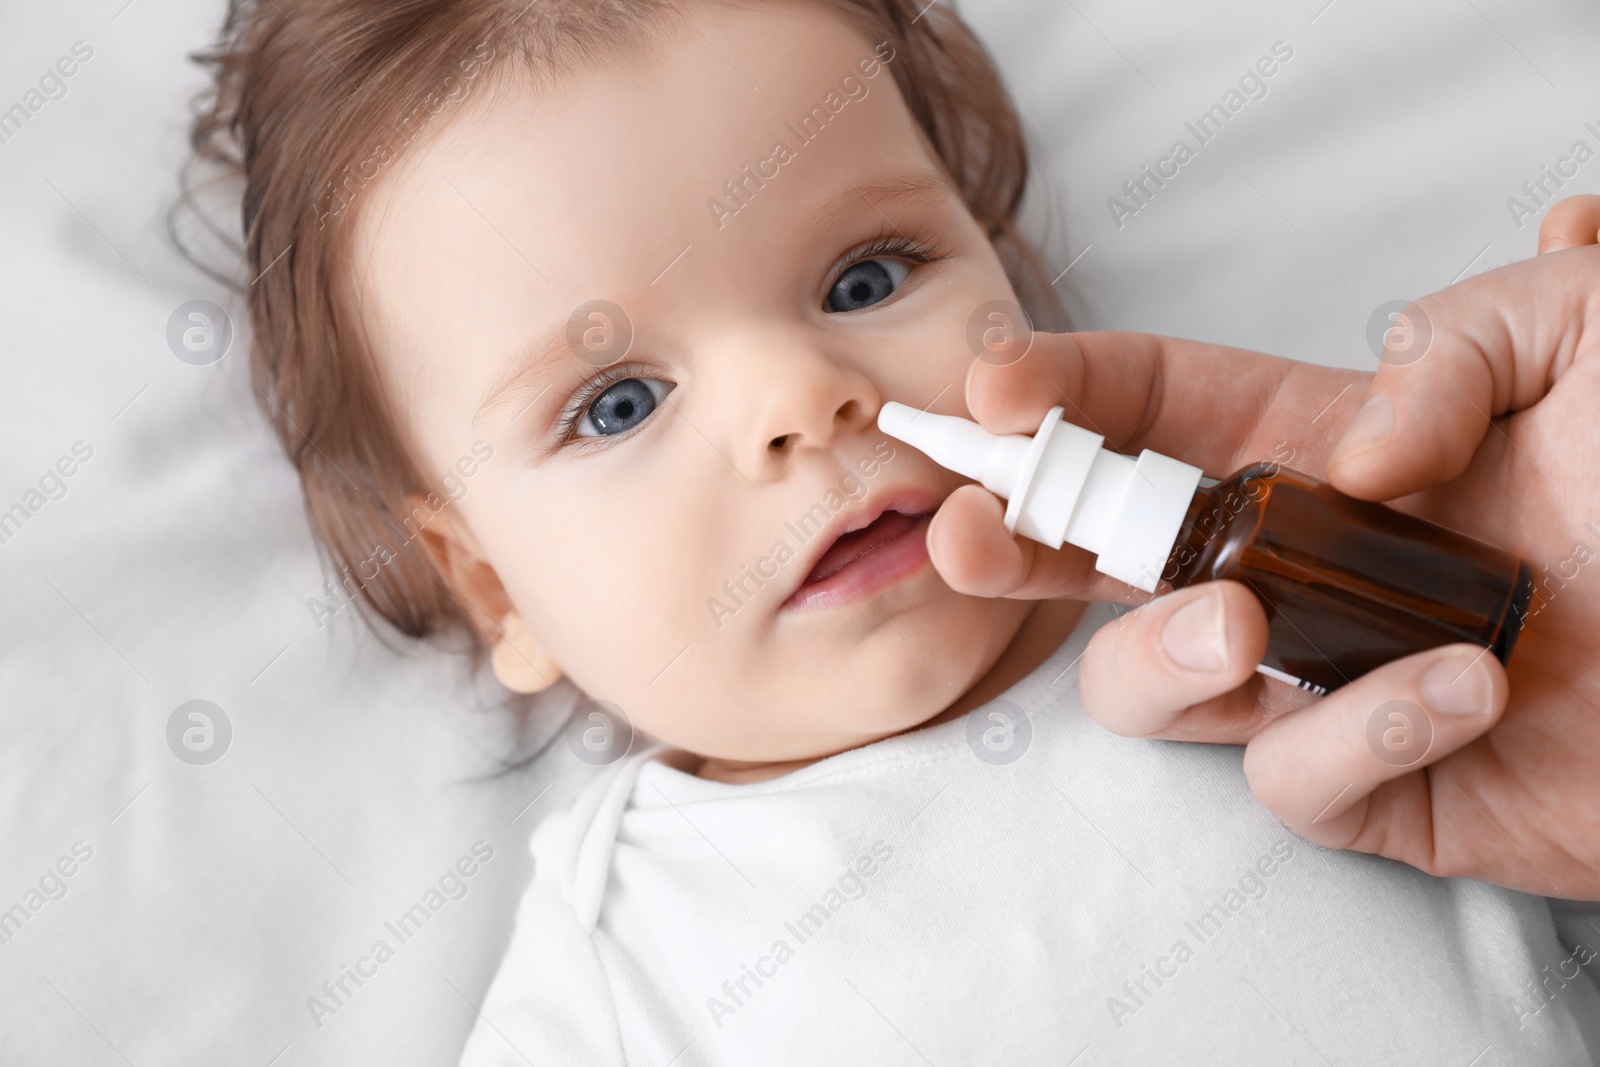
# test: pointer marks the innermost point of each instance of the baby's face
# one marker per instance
(662, 518)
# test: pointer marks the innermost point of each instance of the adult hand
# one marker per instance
(1492, 432)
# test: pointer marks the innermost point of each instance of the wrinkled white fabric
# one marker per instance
(909, 902)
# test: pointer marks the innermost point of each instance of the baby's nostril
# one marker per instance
(777, 442)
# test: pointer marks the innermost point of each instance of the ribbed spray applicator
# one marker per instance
(1061, 486)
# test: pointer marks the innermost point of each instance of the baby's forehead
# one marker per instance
(724, 148)
(641, 149)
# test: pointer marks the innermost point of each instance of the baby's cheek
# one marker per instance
(637, 612)
(976, 318)
(965, 627)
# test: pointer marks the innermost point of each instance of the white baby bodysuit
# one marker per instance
(1015, 886)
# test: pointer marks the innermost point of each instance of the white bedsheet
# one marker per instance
(215, 900)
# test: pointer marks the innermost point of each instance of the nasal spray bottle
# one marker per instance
(1348, 585)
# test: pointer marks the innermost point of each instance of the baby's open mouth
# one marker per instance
(861, 562)
(852, 546)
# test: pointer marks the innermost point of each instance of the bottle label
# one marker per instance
(1273, 672)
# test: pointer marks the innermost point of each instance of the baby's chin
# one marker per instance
(845, 725)
(763, 762)
(806, 696)
(817, 742)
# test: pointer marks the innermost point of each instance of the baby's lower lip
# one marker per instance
(901, 552)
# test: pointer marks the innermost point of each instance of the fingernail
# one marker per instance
(1370, 428)
(1556, 244)
(1459, 684)
(1196, 636)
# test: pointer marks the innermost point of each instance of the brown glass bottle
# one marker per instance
(1348, 585)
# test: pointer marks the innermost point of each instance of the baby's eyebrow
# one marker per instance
(910, 186)
(535, 363)
(529, 367)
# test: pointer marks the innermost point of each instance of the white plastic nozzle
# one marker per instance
(1061, 486)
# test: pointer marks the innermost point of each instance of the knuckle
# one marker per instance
(1099, 673)
(1279, 780)
(1263, 772)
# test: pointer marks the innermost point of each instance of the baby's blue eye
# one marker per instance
(621, 407)
(869, 282)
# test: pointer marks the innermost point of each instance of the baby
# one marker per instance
(576, 318)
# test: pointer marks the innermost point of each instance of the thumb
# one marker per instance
(1456, 360)
(1571, 223)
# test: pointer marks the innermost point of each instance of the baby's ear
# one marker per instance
(520, 662)
(458, 559)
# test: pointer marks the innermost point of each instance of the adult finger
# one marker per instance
(1214, 406)
(1492, 345)
(970, 548)
(1571, 223)
(1186, 655)
(975, 554)
(1317, 769)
